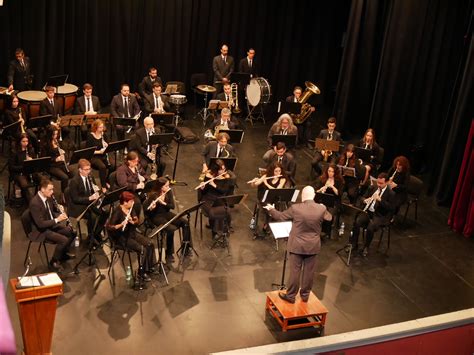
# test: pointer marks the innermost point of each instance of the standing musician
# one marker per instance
(100, 161)
(247, 65)
(82, 191)
(19, 75)
(58, 167)
(349, 159)
(14, 114)
(399, 176)
(216, 184)
(329, 134)
(47, 216)
(23, 151)
(304, 129)
(157, 208)
(156, 102)
(122, 228)
(124, 105)
(379, 207)
(145, 88)
(286, 159)
(332, 183)
(146, 152)
(304, 242)
(223, 66)
(283, 126)
(368, 142)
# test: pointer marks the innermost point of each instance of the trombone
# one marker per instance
(234, 98)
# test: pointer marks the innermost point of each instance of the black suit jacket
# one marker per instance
(386, 206)
(139, 143)
(221, 97)
(222, 69)
(79, 197)
(150, 103)
(288, 163)
(126, 178)
(80, 106)
(16, 159)
(244, 67)
(118, 110)
(210, 151)
(323, 134)
(290, 98)
(232, 124)
(19, 75)
(40, 216)
(146, 85)
(47, 109)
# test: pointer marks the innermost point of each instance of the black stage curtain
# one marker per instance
(108, 42)
(401, 74)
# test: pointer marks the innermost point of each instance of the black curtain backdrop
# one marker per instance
(401, 74)
(107, 42)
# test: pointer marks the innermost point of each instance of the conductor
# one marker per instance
(304, 242)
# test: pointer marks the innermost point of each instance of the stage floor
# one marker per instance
(216, 302)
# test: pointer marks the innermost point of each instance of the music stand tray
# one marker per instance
(39, 121)
(89, 119)
(230, 163)
(36, 165)
(8, 129)
(288, 139)
(125, 121)
(362, 153)
(115, 146)
(324, 144)
(280, 195)
(161, 139)
(217, 105)
(289, 107)
(235, 135)
(112, 196)
(327, 200)
(57, 80)
(163, 119)
(86, 153)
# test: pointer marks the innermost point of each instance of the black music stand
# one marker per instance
(274, 226)
(223, 240)
(229, 163)
(288, 139)
(363, 154)
(36, 165)
(347, 171)
(348, 247)
(56, 81)
(114, 147)
(235, 135)
(187, 244)
(289, 107)
(9, 129)
(325, 144)
(173, 179)
(39, 121)
(86, 153)
(328, 200)
(164, 119)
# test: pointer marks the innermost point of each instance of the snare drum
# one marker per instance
(66, 96)
(30, 101)
(258, 92)
(178, 99)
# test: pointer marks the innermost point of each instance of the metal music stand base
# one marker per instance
(160, 263)
(92, 261)
(281, 285)
(222, 241)
(349, 253)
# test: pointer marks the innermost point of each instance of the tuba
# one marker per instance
(305, 107)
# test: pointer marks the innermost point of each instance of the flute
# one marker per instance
(265, 178)
(204, 183)
(153, 203)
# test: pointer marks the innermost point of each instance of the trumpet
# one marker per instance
(60, 208)
(127, 217)
(154, 202)
(234, 98)
(22, 122)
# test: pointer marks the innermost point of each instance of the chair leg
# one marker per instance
(406, 212)
(195, 220)
(382, 230)
(45, 252)
(130, 261)
(27, 253)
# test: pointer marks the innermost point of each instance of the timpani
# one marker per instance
(30, 101)
(66, 96)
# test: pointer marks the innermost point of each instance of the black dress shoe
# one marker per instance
(145, 277)
(305, 300)
(153, 271)
(55, 265)
(284, 297)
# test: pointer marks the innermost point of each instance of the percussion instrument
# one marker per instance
(206, 88)
(258, 91)
(30, 101)
(66, 96)
(178, 99)
(4, 98)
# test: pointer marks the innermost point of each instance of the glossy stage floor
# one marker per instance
(216, 301)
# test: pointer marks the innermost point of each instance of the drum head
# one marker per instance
(32, 95)
(67, 89)
(253, 92)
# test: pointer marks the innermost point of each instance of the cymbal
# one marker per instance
(206, 88)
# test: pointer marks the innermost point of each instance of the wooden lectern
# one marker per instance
(37, 311)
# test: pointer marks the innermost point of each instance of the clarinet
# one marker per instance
(127, 216)
(60, 208)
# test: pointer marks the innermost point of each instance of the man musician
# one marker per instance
(223, 66)
(304, 129)
(329, 134)
(87, 104)
(47, 218)
(19, 75)
(156, 102)
(247, 65)
(145, 87)
(280, 155)
(225, 121)
(124, 105)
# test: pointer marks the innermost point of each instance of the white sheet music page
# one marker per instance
(50, 279)
(281, 229)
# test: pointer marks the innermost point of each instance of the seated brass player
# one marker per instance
(329, 134)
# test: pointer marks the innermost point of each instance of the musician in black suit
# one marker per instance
(124, 105)
(50, 105)
(329, 134)
(379, 208)
(226, 95)
(280, 155)
(226, 120)
(368, 142)
(283, 126)
(156, 102)
(23, 151)
(247, 65)
(141, 144)
(216, 149)
(146, 85)
(19, 75)
(14, 114)
(46, 219)
(88, 103)
(399, 175)
(304, 128)
(223, 66)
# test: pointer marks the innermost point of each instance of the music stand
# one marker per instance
(281, 230)
(86, 153)
(347, 171)
(187, 244)
(324, 144)
(36, 165)
(175, 165)
(114, 147)
(223, 240)
(327, 200)
(363, 154)
(163, 119)
(125, 121)
(235, 135)
(229, 163)
(348, 247)
(288, 139)
(289, 107)
(9, 129)
(57, 80)
(39, 121)
(218, 105)
(171, 89)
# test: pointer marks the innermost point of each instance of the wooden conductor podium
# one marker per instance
(37, 311)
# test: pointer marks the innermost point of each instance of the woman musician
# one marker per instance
(58, 167)
(399, 176)
(23, 151)
(122, 228)
(217, 183)
(348, 159)
(157, 208)
(99, 161)
(132, 176)
(368, 142)
(14, 114)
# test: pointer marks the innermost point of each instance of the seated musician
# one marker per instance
(124, 105)
(87, 104)
(216, 184)
(283, 126)
(132, 176)
(379, 207)
(146, 152)
(226, 95)
(82, 191)
(225, 121)
(399, 175)
(332, 183)
(349, 159)
(368, 142)
(286, 159)
(100, 161)
(157, 208)
(304, 128)
(14, 114)
(122, 228)
(218, 149)
(23, 151)
(331, 157)
(146, 85)
(47, 218)
(58, 167)
(156, 102)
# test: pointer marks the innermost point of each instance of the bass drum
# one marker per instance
(258, 91)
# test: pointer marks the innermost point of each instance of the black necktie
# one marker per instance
(250, 64)
(330, 137)
(156, 102)
(218, 152)
(280, 159)
(48, 209)
(88, 104)
(89, 187)
(52, 103)
(126, 108)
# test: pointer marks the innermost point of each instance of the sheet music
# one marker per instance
(281, 229)
(28, 281)
(50, 279)
(295, 196)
